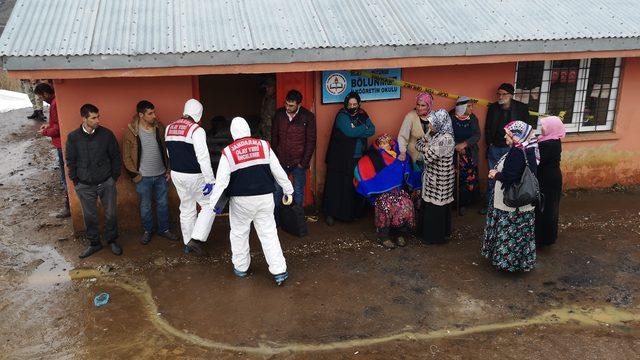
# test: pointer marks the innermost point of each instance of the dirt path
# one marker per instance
(347, 297)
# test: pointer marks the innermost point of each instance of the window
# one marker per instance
(585, 90)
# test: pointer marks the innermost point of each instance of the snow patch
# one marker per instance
(11, 100)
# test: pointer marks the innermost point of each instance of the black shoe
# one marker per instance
(483, 211)
(33, 116)
(330, 220)
(116, 249)
(169, 235)
(90, 251)
(146, 238)
(196, 247)
(39, 116)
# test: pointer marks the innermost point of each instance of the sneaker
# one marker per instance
(280, 278)
(169, 235)
(195, 246)
(90, 251)
(401, 241)
(241, 274)
(146, 238)
(115, 248)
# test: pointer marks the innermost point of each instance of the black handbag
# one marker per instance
(292, 220)
(526, 191)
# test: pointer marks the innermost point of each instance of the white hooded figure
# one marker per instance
(192, 175)
(247, 171)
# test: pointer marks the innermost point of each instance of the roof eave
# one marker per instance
(280, 56)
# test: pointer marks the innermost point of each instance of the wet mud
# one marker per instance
(347, 296)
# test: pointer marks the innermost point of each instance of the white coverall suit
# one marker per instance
(249, 166)
(190, 171)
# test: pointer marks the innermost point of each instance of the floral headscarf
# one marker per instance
(522, 131)
(426, 98)
(441, 122)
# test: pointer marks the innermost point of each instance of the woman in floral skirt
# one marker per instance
(381, 177)
(509, 238)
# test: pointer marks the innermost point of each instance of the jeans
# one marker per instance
(299, 182)
(63, 180)
(88, 195)
(148, 188)
(494, 154)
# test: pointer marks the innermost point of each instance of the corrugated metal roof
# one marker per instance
(135, 27)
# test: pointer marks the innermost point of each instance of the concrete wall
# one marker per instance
(116, 98)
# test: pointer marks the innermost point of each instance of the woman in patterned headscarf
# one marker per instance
(437, 148)
(509, 238)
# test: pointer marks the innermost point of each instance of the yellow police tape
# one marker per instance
(432, 91)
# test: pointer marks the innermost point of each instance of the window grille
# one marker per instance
(585, 89)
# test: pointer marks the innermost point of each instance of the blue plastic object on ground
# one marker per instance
(101, 299)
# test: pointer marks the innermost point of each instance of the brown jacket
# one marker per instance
(131, 148)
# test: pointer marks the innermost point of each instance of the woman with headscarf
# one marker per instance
(466, 133)
(380, 177)
(438, 178)
(413, 128)
(509, 239)
(550, 180)
(348, 142)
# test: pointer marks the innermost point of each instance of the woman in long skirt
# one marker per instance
(509, 239)
(550, 180)
(348, 142)
(437, 147)
(466, 133)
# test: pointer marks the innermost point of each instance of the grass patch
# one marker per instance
(6, 83)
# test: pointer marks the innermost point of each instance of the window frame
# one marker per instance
(580, 99)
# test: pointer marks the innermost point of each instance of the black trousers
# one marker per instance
(89, 195)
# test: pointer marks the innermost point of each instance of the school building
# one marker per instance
(577, 56)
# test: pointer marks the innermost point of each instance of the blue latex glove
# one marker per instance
(206, 190)
(217, 210)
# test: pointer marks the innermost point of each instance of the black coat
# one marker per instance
(92, 159)
(493, 128)
(550, 180)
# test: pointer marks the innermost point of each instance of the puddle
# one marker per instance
(53, 271)
(587, 317)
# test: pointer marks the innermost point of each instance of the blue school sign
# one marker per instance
(337, 84)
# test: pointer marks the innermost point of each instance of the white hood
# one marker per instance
(193, 108)
(239, 128)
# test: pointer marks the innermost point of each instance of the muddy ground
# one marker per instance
(347, 297)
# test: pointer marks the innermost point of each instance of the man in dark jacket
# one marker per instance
(93, 160)
(499, 115)
(293, 138)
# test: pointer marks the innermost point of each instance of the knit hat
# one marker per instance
(507, 87)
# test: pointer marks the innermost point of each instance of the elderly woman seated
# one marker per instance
(381, 177)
